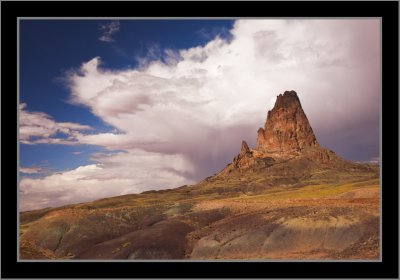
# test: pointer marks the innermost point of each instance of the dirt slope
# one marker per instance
(325, 221)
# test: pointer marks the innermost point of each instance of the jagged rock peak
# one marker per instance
(245, 148)
(287, 127)
(245, 158)
(287, 99)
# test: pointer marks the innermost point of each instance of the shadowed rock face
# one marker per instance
(286, 128)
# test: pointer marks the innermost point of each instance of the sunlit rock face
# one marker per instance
(287, 128)
(286, 135)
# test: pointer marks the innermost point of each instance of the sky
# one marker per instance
(112, 107)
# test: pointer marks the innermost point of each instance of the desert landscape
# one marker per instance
(286, 199)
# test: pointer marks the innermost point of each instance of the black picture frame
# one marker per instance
(387, 268)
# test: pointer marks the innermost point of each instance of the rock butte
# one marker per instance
(287, 127)
(287, 133)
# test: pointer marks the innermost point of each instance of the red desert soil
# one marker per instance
(292, 229)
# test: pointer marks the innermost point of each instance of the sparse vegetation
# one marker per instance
(213, 208)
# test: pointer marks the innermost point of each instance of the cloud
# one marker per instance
(108, 30)
(40, 128)
(116, 174)
(211, 33)
(76, 153)
(332, 64)
(31, 170)
(197, 107)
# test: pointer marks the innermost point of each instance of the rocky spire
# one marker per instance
(245, 148)
(243, 159)
(286, 128)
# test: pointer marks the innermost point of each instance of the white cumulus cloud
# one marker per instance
(117, 174)
(40, 128)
